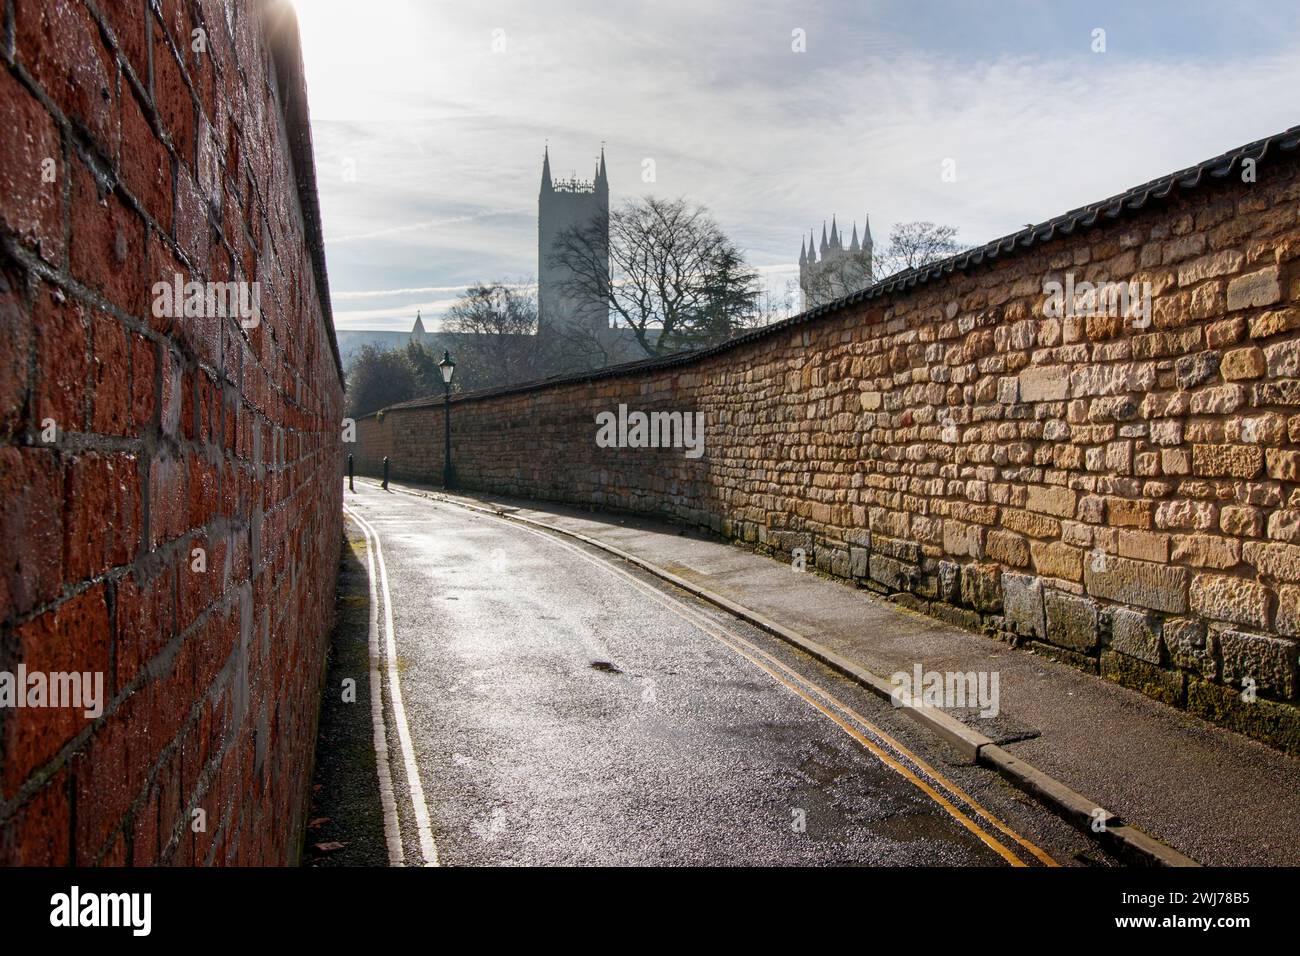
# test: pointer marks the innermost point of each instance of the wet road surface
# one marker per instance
(544, 704)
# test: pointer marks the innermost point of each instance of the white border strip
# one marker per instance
(415, 788)
(387, 798)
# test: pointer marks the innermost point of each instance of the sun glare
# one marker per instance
(350, 50)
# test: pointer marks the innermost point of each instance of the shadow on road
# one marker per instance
(346, 825)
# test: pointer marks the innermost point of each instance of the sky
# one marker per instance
(429, 119)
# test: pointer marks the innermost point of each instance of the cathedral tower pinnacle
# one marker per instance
(837, 271)
(565, 204)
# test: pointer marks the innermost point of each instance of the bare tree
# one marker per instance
(498, 336)
(774, 308)
(915, 244)
(668, 273)
(830, 279)
(578, 348)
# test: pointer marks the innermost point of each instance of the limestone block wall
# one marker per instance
(1119, 490)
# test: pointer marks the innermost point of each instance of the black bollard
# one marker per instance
(351, 487)
(385, 472)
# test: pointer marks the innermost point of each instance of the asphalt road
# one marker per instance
(558, 707)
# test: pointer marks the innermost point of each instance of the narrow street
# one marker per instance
(546, 704)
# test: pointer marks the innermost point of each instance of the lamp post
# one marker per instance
(448, 368)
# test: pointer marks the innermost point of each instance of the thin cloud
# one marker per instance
(772, 141)
(420, 226)
(416, 290)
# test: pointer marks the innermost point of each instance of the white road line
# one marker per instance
(416, 789)
(387, 798)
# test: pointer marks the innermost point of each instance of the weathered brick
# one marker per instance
(1228, 461)
(1053, 501)
(1135, 633)
(102, 509)
(1054, 559)
(146, 166)
(1193, 370)
(1278, 561)
(1269, 661)
(1071, 621)
(981, 587)
(1141, 583)
(18, 334)
(1190, 646)
(1243, 364)
(1221, 263)
(1283, 464)
(1007, 548)
(893, 574)
(72, 637)
(1045, 383)
(1255, 289)
(110, 365)
(1288, 610)
(1144, 545)
(1128, 513)
(1028, 523)
(31, 525)
(1189, 515)
(107, 249)
(1228, 332)
(30, 200)
(1284, 392)
(1221, 597)
(58, 42)
(961, 539)
(174, 101)
(1242, 522)
(1274, 323)
(37, 835)
(62, 361)
(143, 384)
(1022, 599)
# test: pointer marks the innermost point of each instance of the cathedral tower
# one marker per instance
(562, 205)
(833, 271)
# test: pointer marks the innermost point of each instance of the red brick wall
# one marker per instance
(1123, 498)
(128, 156)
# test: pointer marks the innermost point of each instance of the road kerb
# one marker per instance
(1128, 841)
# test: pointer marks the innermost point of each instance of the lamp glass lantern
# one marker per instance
(447, 367)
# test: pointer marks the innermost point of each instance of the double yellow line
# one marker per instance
(828, 704)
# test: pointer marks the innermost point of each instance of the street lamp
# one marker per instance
(448, 368)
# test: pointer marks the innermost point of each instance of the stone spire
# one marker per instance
(843, 266)
(546, 168)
